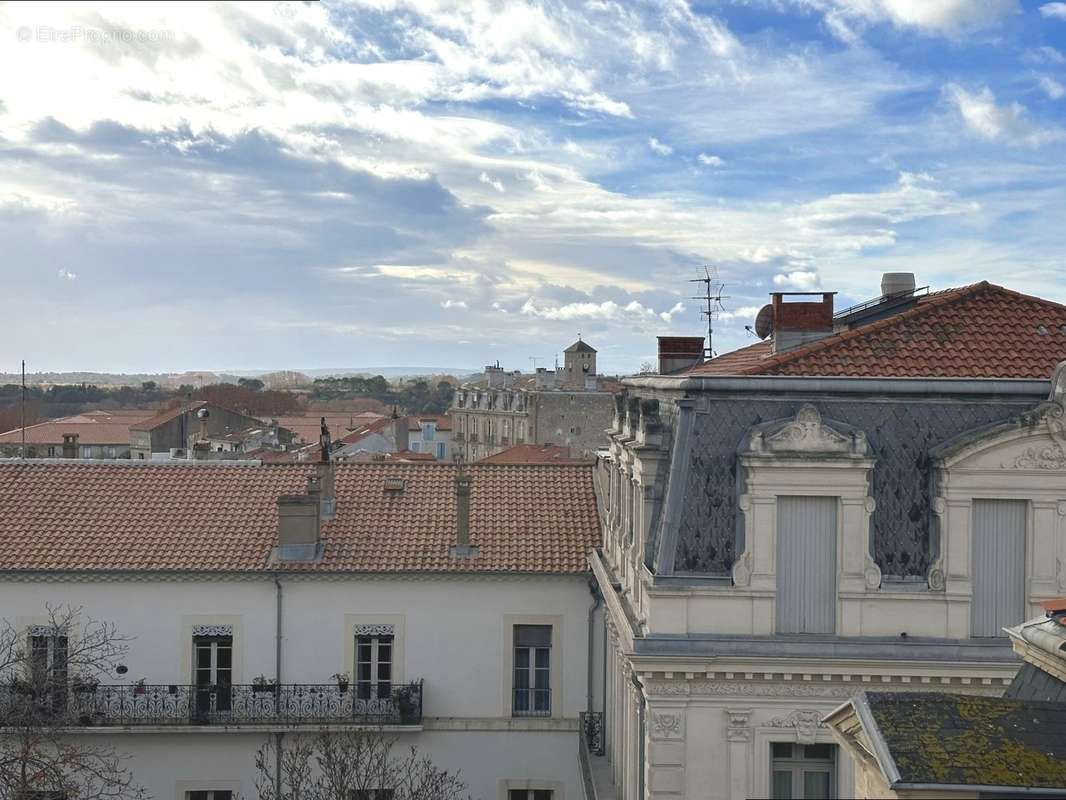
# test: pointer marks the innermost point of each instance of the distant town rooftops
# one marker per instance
(163, 417)
(976, 331)
(92, 428)
(218, 517)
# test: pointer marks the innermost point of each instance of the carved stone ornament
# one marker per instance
(42, 630)
(806, 724)
(742, 569)
(936, 575)
(737, 729)
(1051, 457)
(374, 630)
(807, 434)
(212, 630)
(871, 573)
(666, 726)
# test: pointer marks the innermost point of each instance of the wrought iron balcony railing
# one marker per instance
(592, 731)
(239, 705)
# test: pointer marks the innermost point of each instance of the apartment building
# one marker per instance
(449, 607)
(93, 434)
(570, 407)
(861, 502)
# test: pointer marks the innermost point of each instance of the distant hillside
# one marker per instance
(207, 377)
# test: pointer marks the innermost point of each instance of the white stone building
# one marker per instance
(862, 502)
(457, 605)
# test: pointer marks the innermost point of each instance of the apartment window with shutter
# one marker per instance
(441, 450)
(802, 771)
(532, 670)
(213, 672)
(48, 669)
(806, 564)
(373, 666)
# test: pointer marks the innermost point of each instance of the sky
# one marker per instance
(317, 185)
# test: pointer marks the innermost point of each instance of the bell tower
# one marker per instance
(579, 364)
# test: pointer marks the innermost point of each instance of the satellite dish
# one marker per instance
(764, 321)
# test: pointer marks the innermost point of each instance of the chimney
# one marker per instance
(400, 435)
(679, 352)
(462, 547)
(299, 524)
(897, 284)
(203, 414)
(494, 376)
(70, 445)
(797, 322)
(324, 475)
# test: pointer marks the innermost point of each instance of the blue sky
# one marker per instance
(315, 185)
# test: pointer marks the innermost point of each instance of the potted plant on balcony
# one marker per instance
(262, 684)
(405, 701)
(139, 687)
(342, 681)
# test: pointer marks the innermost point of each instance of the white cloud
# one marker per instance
(1007, 123)
(1054, 10)
(495, 183)
(67, 275)
(930, 16)
(800, 280)
(659, 148)
(1052, 88)
(608, 310)
(453, 304)
(710, 161)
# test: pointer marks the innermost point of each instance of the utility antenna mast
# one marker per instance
(712, 297)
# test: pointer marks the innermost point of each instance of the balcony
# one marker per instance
(239, 705)
(595, 769)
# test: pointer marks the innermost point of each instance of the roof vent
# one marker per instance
(894, 284)
(395, 485)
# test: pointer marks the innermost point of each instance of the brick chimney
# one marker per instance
(70, 445)
(401, 437)
(462, 547)
(299, 524)
(799, 321)
(679, 352)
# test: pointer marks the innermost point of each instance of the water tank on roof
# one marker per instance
(897, 283)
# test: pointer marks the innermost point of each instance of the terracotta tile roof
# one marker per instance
(534, 454)
(164, 417)
(307, 426)
(376, 426)
(92, 428)
(223, 517)
(978, 331)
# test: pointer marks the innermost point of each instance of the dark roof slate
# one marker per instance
(957, 739)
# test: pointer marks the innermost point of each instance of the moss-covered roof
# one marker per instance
(974, 741)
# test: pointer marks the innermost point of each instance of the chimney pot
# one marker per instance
(897, 283)
(70, 445)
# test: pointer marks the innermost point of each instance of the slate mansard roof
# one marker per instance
(217, 517)
(956, 740)
(978, 331)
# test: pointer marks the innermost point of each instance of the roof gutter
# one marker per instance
(995, 387)
(1036, 791)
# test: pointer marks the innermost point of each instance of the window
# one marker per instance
(802, 771)
(48, 669)
(998, 565)
(416, 447)
(441, 450)
(86, 452)
(806, 564)
(530, 794)
(218, 794)
(212, 672)
(532, 670)
(51, 452)
(373, 666)
(429, 430)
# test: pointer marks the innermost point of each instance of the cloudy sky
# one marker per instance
(431, 183)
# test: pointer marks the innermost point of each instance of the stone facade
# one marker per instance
(705, 690)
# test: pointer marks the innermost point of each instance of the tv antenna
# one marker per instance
(712, 296)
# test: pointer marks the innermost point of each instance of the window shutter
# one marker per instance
(533, 635)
